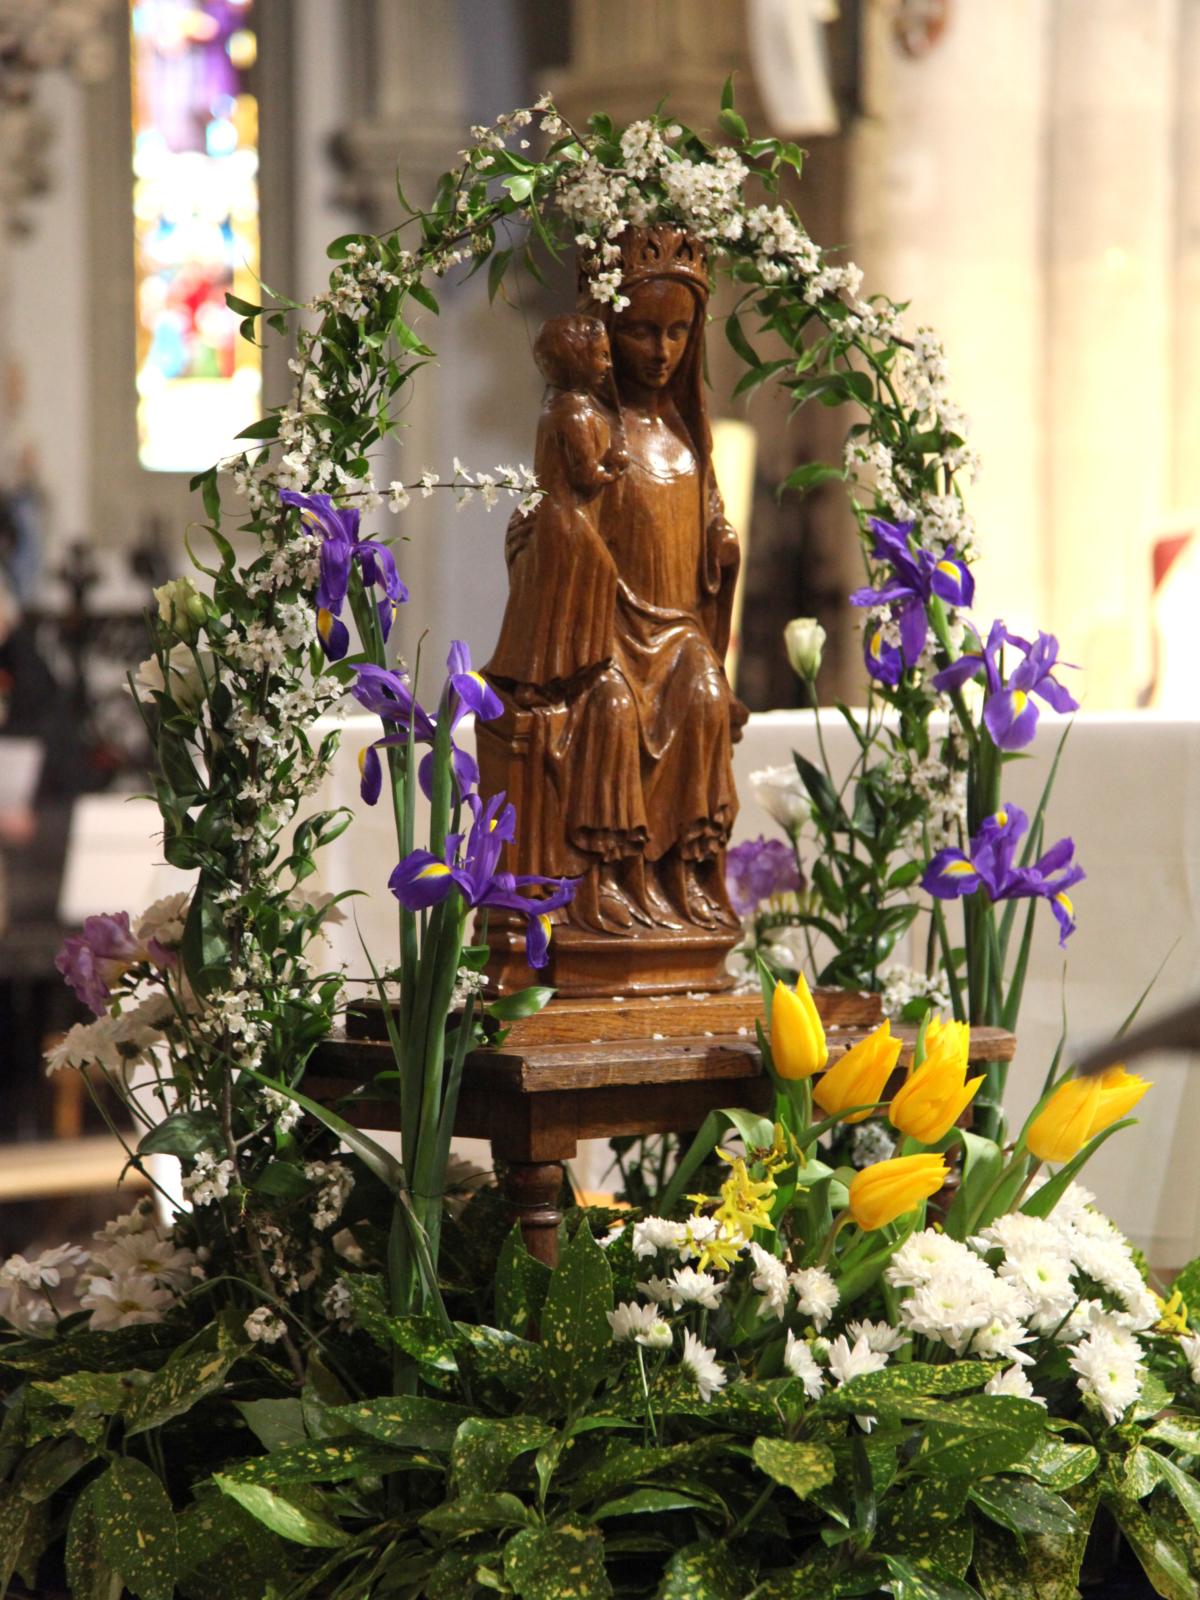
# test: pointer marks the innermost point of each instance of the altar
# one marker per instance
(1142, 897)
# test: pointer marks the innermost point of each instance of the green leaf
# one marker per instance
(1188, 1284)
(576, 1335)
(497, 267)
(734, 124)
(485, 1447)
(800, 1467)
(186, 1379)
(281, 1515)
(405, 1420)
(88, 1573)
(1043, 1201)
(640, 1500)
(244, 308)
(736, 335)
(183, 1133)
(224, 1551)
(521, 1284)
(135, 1528)
(727, 94)
(552, 1563)
(316, 1461)
(477, 1512)
(1182, 1485)
(524, 1003)
(520, 185)
(910, 1382)
(1163, 1562)
(274, 1423)
(809, 476)
(1060, 1466)
(265, 428)
(704, 1572)
(910, 1582)
(1181, 1433)
(1023, 1506)
(108, 1391)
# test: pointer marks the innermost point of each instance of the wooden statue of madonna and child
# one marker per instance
(615, 739)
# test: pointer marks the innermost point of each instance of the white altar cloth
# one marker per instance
(1128, 792)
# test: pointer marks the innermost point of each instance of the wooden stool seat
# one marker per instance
(598, 1070)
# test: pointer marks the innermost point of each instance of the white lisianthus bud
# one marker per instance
(181, 606)
(804, 639)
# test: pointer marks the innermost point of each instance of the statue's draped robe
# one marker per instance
(636, 748)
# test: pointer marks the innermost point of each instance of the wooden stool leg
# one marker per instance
(532, 1190)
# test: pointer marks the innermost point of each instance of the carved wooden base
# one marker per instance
(588, 966)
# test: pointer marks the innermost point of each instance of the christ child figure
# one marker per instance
(557, 553)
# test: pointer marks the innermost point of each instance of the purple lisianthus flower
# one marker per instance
(93, 960)
(917, 576)
(756, 870)
(1009, 713)
(991, 866)
(422, 879)
(340, 549)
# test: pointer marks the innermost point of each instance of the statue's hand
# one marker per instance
(520, 529)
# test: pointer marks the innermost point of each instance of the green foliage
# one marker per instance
(135, 1528)
(576, 1336)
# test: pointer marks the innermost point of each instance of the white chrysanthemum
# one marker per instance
(656, 1233)
(771, 1280)
(1019, 1235)
(630, 1319)
(163, 921)
(656, 1289)
(1045, 1279)
(1012, 1381)
(697, 1231)
(125, 1301)
(1189, 1343)
(848, 1361)
(881, 1336)
(1109, 1369)
(951, 1308)
(816, 1294)
(264, 1326)
(703, 1365)
(149, 1255)
(691, 1288)
(799, 1360)
(923, 1256)
(1000, 1339)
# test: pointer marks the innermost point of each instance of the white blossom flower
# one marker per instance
(656, 1289)
(209, 1179)
(800, 1361)
(924, 1255)
(1012, 1381)
(652, 1234)
(703, 1365)
(630, 1319)
(125, 1301)
(816, 1294)
(337, 1304)
(163, 921)
(48, 1269)
(1109, 1369)
(264, 1326)
(691, 1288)
(880, 1336)
(771, 1280)
(336, 1182)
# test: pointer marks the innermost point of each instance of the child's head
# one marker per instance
(572, 352)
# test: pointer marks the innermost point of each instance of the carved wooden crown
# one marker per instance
(656, 252)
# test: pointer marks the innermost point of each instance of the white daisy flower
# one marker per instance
(703, 1365)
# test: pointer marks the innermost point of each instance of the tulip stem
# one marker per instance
(831, 1237)
(1024, 1189)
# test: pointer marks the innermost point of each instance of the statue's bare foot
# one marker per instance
(617, 912)
(709, 905)
(585, 910)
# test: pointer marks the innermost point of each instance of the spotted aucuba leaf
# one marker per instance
(135, 1529)
(485, 1447)
(404, 1420)
(704, 1572)
(549, 1563)
(799, 1466)
(576, 1335)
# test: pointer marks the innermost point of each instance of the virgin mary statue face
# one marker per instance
(650, 335)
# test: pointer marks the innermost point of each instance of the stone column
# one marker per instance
(1109, 269)
(947, 213)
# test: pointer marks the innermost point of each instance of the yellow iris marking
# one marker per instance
(958, 869)
(362, 757)
(1002, 818)
(545, 922)
(1064, 901)
(877, 643)
(949, 568)
(435, 869)
(1020, 700)
(324, 623)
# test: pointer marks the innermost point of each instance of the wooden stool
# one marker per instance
(595, 1069)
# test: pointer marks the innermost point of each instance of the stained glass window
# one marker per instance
(196, 233)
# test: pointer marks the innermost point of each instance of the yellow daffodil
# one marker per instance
(936, 1094)
(1064, 1124)
(1120, 1091)
(797, 1038)
(882, 1192)
(858, 1079)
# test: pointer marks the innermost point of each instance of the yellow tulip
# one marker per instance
(1120, 1091)
(858, 1079)
(936, 1093)
(1064, 1124)
(798, 1045)
(882, 1192)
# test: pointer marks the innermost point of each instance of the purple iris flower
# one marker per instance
(1009, 713)
(991, 865)
(756, 870)
(92, 961)
(389, 695)
(917, 576)
(340, 549)
(423, 879)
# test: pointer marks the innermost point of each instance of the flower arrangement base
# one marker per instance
(595, 1070)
